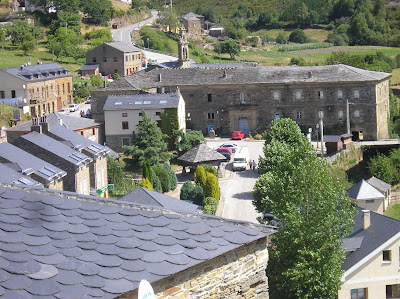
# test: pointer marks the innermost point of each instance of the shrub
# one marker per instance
(186, 190)
(211, 188)
(146, 171)
(155, 182)
(172, 176)
(209, 168)
(298, 36)
(163, 176)
(382, 168)
(115, 76)
(197, 195)
(210, 205)
(297, 61)
(200, 176)
(145, 183)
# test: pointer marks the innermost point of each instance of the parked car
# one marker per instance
(73, 107)
(232, 146)
(237, 135)
(89, 98)
(64, 111)
(226, 152)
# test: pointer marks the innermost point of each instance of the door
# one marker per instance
(244, 125)
(209, 128)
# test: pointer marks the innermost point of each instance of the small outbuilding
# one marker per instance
(333, 144)
(347, 140)
(366, 196)
(382, 187)
(201, 154)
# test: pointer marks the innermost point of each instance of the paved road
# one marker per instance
(237, 187)
(124, 34)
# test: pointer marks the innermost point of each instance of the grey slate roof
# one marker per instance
(28, 164)
(62, 245)
(126, 48)
(201, 153)
(381, 229)
(72, 123)
(363, 191)
(10, 176)
(141, 101)
(245, 75)
(46, 71)
(143, 196)
(88, 67)
(57, 148)
(332, 138)
(379, 184)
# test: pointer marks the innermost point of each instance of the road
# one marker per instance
(237, 187)
(124, 34)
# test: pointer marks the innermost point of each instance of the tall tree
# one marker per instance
(67, 20)
(230, 47)
(149, 143)
(98, 12)
(313, 214)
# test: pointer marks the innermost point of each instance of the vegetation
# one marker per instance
(210, 169)
(313, 211)
(192, 193)
(211, 189)
(145, 183)
(116, 176)
(169, 124)
(210, 205)
(163, 176)
(172, 176)
(386, 168)
(157, 40)
(185, 142)
(230, 47)
(200, 177)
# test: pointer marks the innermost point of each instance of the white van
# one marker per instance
(241, 159)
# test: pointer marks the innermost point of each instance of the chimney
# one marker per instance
(366, 218)
(44, 124)
(225, 74)
(36, 126)
(105, 83)
(310, 74)
(21, 67)
(178, 91)
(159, 77)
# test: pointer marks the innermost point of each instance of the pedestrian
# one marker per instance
(254, 165)
(251, 164)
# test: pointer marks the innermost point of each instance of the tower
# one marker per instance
(183, 50)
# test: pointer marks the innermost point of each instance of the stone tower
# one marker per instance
(183, 50)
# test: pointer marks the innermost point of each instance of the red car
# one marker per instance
(226, 152)
(239, 135)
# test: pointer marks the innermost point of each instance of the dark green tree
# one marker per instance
(281, 38)
(169, 124)
(185, 142)
(29, 43)
(98, 12)
(155, 181)
(298, 36)
(67, 20)
(359, 32)
(172, 176)
(230, 47)
(313, 212)
(163, 176)
(149, 143)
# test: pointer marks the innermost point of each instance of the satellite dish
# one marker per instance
(145, 290)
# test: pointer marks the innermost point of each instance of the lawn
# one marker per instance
(393, 211)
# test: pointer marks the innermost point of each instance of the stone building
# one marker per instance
(85, 246)
(115, 57)
(249, 98)
(46, 87)
(193, 23)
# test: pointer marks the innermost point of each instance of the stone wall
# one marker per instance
(239, 273)
(115, 142)
(56, 185)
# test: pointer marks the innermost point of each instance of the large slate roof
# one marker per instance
(363, 191)
(248, 75)
(201, 153)
(26, 163)
(10, 176)
(143, 196)
(381, 229)
(61, 245)
(123, 47)
(142, 101)
(38, 72)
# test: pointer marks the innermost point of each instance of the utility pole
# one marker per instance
(348, 116)
(321, 125)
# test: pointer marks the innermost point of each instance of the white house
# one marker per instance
(366, 196)
(122, 113)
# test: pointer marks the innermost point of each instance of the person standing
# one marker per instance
(254, 165)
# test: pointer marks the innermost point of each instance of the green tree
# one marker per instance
(360, 34)
(98, 12)
(298, 36)
(209, 168)
(64, 42)
(169, 124)
(155, 181)
(145, 183)
(29, 43)
(149, 143)
(115, 171)
(200, 176)
(96, 80)
(146, 170)
(297, 61)
(185, 142)
(210, 205)
(230, 47)
(18, 29)
(314, 216)
(186, 190)
(167, 18)
(382, 167)
(172, 176)
(211, 188)
(99, 36)
(77, 52)
(162, 174)
(67, 20)
(281, 38)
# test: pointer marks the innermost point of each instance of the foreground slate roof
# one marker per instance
(245, 75)
(201, 153)
(148, 197)
(9, 175)
(61, 245)
(381, 229)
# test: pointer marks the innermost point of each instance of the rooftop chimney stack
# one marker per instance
(366, 218)
(36, 126)
(44, 124)
(310, 74)
(159, 77)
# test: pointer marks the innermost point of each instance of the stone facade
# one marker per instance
(237, 274)
(57, 185)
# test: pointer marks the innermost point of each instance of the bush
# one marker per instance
(382, 168)
(96, 80)
(211, 169)
(186, 190)
(212, 186)
(163, 176)
(200, 176)
(297, 61)
(145, 183)
(210, 205)
(197, 195)
(155, 182)
(115, 76)
(298, 36)
(172, 176)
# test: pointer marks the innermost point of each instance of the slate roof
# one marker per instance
(10, 176)
(62, 245)
(142, 101)
(379, 184)
(332, 138)
(363, 191)
(200, 154)
(143, 196)
(381, 229)
(248, 75)
(89, 67)
(70, 122)
(26, 163)
(126, 48)
(46, 71)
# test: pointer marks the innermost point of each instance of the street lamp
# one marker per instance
(148, 47)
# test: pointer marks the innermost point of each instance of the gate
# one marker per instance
(244, 126)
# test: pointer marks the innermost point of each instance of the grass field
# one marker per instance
(120, 5)
(393, 211)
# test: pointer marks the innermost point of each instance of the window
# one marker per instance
(340, 114)
(357, 113)
(104, 59)
(84, 189)
(298, 95)
(356, 94)
(359, 293)
(126, 141)
(320, 94)
(126, 58)
(13, 93)
(94, 59)
(339, 94)
(276, 95)
(298, 114)
(140, 113)
(158, 113)
(369, 201)
(387, 255)
(63, 88)
(94, 131)
(210, 115)
(242, 99)
(158, 123)
(124, 114)
(138, 57)
(133, 57)
(2, 94)
(125, 125)
(276, 115)
(115, 59)
(69, 87)
(393, 291)
(100, 178)
(209, 98)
